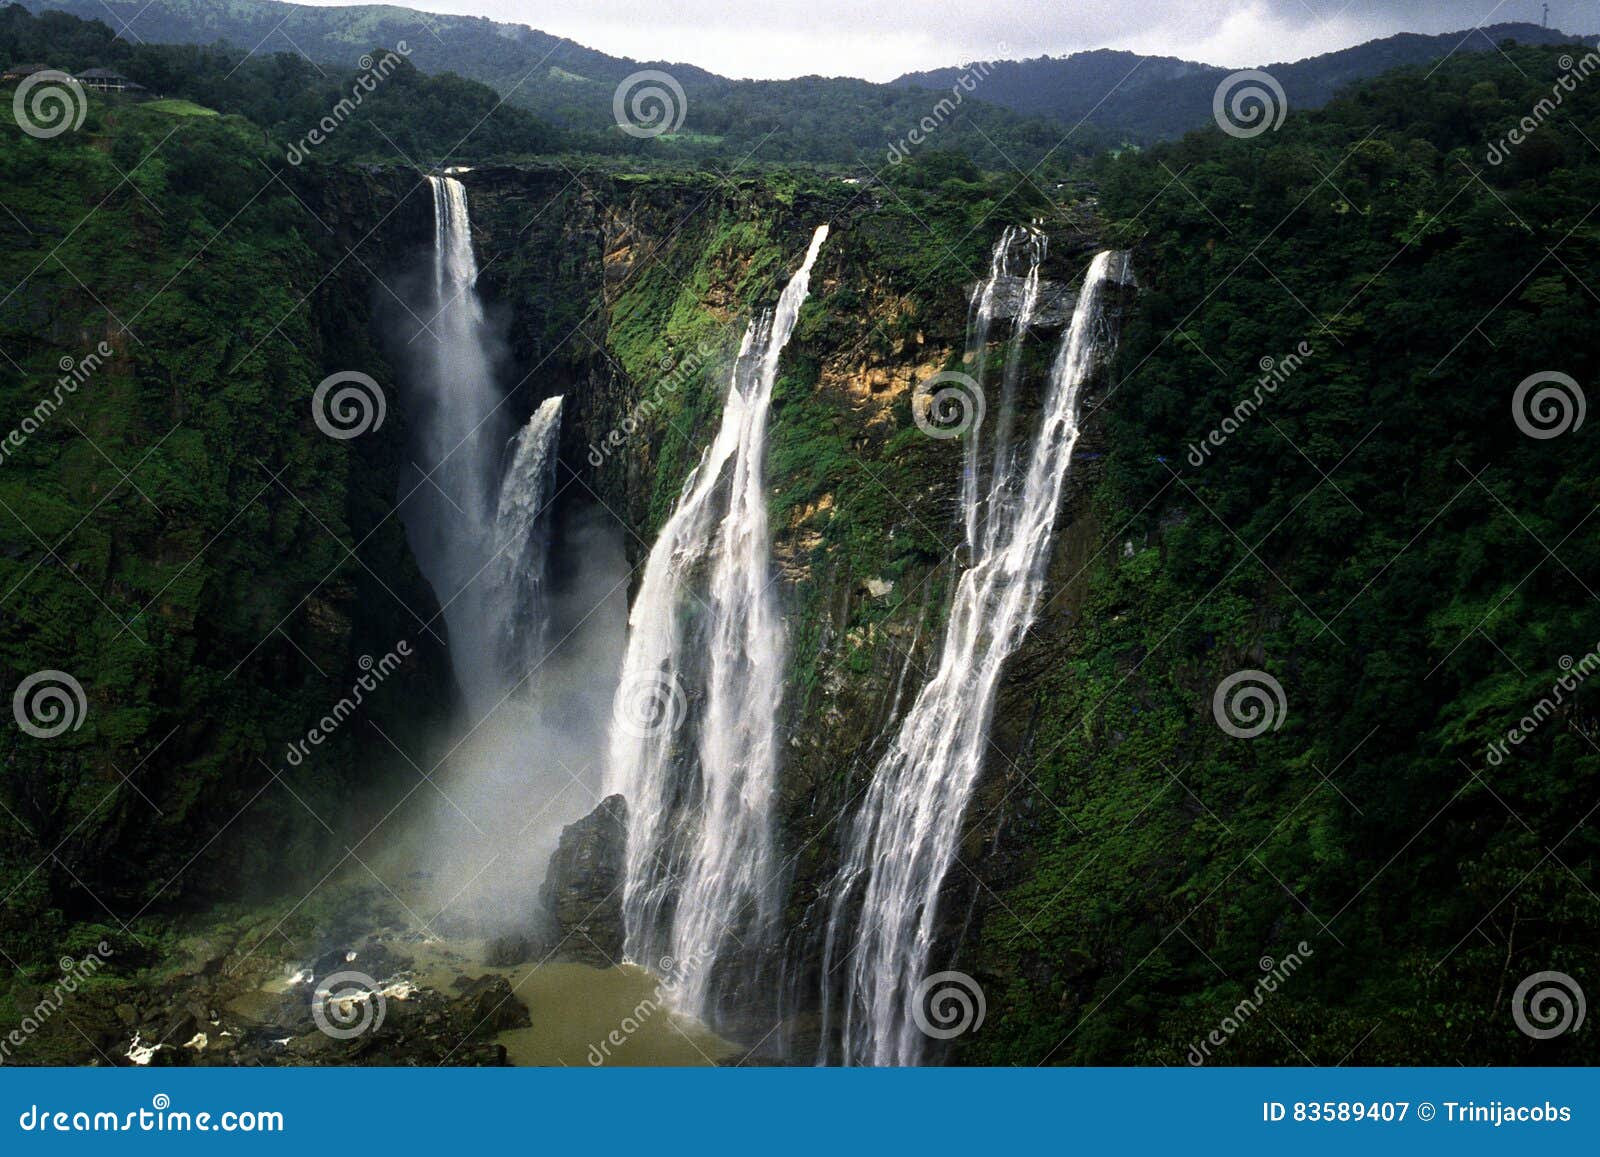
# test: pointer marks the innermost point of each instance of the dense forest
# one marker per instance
(426, 117)
(1384, 538)
(1316, 455)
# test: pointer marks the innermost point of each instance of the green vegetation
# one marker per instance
(171, 523)
(386, 111)
(544, 81)
(1378, 535)
(1385, 542)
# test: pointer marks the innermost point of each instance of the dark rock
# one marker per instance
(491, 1005)
(510, 951)
(582, 892)
(1052, 310)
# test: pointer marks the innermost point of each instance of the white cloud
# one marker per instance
(880, 39)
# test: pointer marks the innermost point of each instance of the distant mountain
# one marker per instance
(1011, 107)
(841, 120)
(1145, 97)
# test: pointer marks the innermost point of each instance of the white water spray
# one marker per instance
(518, 567)
(449, 508)
(478, 515)
(701, 869)
(903, 840)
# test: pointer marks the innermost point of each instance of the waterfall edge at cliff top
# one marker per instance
(902, 842)
(701, 871)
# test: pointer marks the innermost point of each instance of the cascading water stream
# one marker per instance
(701, 869)
(450, 506)
(477, 513)
(518, 567)
(902, 842)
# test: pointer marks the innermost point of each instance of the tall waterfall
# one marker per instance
(701, 869)
(903, 840)
(450, 508)
(477, 512)
(517, 568)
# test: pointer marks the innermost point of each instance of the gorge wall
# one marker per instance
(628, 296)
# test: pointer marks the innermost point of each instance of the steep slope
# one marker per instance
(1338, 556)
(176, 530)
(1103, 93)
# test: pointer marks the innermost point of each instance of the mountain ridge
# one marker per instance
(1123, 94)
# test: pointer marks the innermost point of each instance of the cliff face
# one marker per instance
(176, 552)
(629, 296)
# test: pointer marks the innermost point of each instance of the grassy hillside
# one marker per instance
(725, 122)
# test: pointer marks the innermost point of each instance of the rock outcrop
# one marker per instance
(582, 892)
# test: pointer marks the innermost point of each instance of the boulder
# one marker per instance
(582, 892)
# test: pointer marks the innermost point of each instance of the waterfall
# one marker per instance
(449, 509)
(903, 840)
(477, 513)
(518, 566)
(701, 869)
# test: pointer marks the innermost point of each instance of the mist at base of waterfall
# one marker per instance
(518, 771)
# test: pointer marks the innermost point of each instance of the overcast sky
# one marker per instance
(880, 39)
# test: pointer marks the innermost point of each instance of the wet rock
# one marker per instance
(582, 892)
(491, 1005)
(1052, 310)
(203, 956)
(511, 950)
